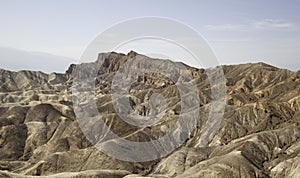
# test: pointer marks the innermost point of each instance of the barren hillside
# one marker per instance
(258, 135)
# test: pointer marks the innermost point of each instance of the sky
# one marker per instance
(237, 31)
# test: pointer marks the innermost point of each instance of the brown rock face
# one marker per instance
(42, 133)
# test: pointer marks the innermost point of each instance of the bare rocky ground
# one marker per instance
(258, 136)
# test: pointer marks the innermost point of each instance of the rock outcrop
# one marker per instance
(258, 136)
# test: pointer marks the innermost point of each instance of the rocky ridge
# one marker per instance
(258, 135)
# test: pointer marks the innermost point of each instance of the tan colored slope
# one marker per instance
(258, 136)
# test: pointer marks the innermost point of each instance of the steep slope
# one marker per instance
(258, 134)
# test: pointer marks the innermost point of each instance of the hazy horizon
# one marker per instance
(34, 61)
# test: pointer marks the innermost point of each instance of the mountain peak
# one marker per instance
(41, 135)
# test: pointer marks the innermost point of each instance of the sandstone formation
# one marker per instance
(259, 134)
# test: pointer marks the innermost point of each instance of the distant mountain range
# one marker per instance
(14, 59)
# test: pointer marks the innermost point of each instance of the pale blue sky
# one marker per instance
(238, 31)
